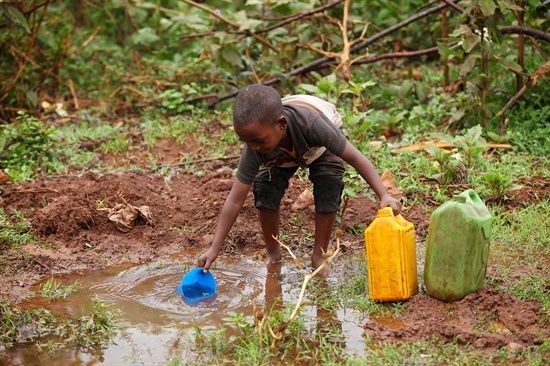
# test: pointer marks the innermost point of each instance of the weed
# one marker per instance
(297, 218)
(15, 230)
(445, 164)
(455, 168)
(96, 328)
(499, 184)
(53, 290)
(117, 144)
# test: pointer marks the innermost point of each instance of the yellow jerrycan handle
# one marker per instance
(388, 212)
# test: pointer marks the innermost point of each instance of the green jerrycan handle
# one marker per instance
(469, 196)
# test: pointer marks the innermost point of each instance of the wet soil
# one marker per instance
(70, 214)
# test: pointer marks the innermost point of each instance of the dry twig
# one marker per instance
(260, 318)
(533, 80)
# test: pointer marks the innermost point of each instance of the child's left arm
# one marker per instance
(363, 165)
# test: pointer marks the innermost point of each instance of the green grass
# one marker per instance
(15, 230)
(96, 328)
(521, 238)
(53, 290)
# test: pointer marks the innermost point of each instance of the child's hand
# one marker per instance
(394, 203)
(206, 259)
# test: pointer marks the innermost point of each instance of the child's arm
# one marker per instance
(228, 215)
(364, 167)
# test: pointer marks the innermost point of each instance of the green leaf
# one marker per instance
(309, 88)
(488, 7)
(470, 42)
(508, 5)
(278, 32)
(32, 98)
(457, 116)
(17, 17)
(468, 65)
(462, 29)
(300, 59)
(145, 36)
(231, 55)
(245, 22)
(406, 87)
(254, 2)
(510, 64)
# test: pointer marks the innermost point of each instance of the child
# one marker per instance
(280, 136)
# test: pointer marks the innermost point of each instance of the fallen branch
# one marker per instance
(517, 29)
(314, 65)
(386, 56)
(443, 145)
(289, 19)
(229, 22)
(300, 15)
(36, 190)
(199, 161)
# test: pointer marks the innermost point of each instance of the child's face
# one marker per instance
(261, 137)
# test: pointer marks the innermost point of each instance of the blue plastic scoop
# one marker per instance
(197, 285)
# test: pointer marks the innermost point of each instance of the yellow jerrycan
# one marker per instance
(391, 257)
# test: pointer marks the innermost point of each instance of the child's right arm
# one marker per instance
(228, 215)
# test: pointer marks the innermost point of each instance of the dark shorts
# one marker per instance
(325, 172)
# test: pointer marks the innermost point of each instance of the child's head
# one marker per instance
(258, 117)
(257, 103)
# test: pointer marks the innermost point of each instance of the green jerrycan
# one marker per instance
(458, 247)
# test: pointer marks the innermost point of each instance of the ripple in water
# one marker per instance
(149, 291)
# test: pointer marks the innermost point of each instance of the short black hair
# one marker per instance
(257, 103)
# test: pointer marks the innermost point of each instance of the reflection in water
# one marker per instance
(156, 319)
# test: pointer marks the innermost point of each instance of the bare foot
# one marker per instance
(273, 258)
(325, 271)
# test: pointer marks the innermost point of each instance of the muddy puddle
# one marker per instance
(157, 322)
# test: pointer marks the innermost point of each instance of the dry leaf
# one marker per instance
(391, 187)
(4, 178)
(123, 216)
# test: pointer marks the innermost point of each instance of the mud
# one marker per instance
(70, 214)
(487, 320)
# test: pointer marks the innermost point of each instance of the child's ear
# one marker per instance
(282, 122)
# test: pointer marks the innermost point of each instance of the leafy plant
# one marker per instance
(468, 148)
(97, 327)
(499, 184)
(27, 146)
(445, 163)
(471, 146)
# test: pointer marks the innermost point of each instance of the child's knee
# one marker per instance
(327, 192)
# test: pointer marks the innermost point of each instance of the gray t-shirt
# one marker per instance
(308, 129)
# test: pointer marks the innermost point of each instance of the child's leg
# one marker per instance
(323, 230)
(326, 174)
(269, 221)
(270, 185)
